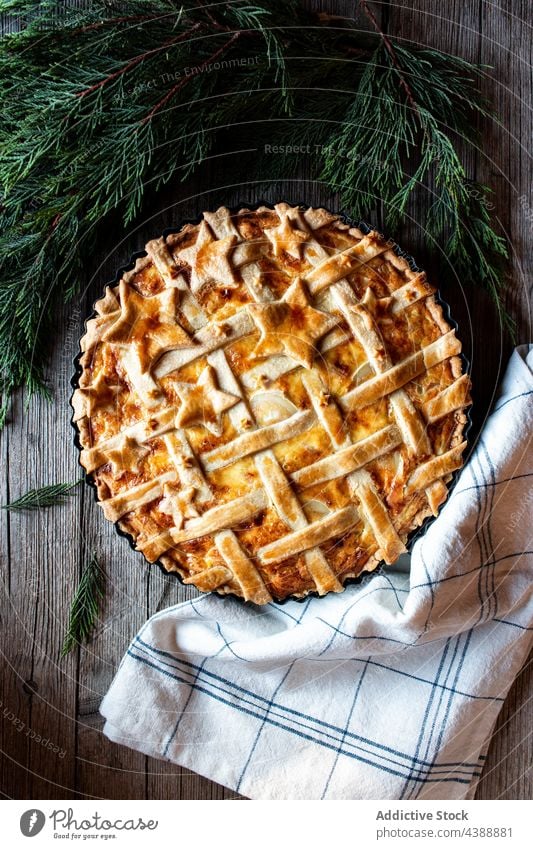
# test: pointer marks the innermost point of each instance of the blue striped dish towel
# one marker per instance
(389, 690)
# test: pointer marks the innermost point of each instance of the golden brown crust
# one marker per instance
(270, 401)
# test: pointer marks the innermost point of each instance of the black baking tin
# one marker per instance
(365, 228)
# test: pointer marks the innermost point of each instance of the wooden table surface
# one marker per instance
(42, 554)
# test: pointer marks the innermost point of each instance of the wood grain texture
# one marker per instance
(41, 555)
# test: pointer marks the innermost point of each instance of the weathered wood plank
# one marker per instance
(15, 716)
(508, 771)
(44, 553)
(41, 555)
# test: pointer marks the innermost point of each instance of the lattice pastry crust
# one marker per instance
(270, 401)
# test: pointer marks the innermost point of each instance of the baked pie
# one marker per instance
(270, 401)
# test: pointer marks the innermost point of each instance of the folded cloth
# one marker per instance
(389, 690)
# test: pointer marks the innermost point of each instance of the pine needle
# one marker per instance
(85, 606)
(46, 496)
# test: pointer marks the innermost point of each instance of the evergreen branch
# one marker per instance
(390, 50)
(85, 606)
(136, 61)
(46, 496)
(458, 220)
(142, 96)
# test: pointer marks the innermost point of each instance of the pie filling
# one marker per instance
(270, 401)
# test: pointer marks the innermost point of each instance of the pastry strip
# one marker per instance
(257, 440)
(454, 397)
(131, 499)
(249, 579)
(223, 516)
(396, 377)
(434, 469)
(377, 516)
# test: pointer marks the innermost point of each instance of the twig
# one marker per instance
(210, 16)
(390, 50)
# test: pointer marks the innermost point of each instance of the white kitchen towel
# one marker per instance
(389, 690)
